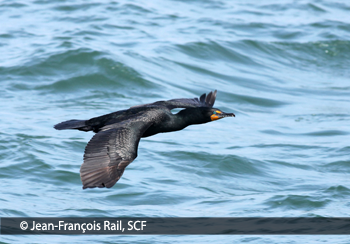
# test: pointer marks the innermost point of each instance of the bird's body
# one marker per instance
(118, 134)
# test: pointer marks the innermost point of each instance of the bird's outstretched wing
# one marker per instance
(109, 152)
(202, 101)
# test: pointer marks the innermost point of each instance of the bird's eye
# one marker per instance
(214, 112)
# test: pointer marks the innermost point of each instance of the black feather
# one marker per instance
(115, 145)
(202, 98)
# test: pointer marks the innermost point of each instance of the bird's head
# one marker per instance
(216, 114)
(205, 115)
(204, 111)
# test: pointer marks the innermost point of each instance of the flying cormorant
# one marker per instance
(118, 134)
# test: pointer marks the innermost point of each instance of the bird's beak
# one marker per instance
(224, 115)
(221, 115)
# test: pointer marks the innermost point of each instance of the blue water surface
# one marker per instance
(281, 66)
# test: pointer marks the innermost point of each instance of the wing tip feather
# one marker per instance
(209, 99)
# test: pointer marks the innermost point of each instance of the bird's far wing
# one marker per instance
(109, 152)
(203, 101)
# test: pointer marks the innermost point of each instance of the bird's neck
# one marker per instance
(175, 122)
(183, 119)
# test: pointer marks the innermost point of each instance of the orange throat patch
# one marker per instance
(214, 117)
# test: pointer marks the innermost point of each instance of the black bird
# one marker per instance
(118, 134)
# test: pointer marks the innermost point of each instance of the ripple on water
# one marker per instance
(79, 69)
(337, 192)
(299, 202)
(213, 166)
(218, 52)
(337, 166)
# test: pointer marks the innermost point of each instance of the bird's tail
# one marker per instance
(73, 124)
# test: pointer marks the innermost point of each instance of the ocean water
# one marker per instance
(281, 66)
